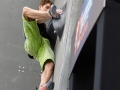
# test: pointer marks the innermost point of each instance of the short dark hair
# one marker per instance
(43, 2)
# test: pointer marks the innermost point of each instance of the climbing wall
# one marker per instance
(17, 71)
(63, 46)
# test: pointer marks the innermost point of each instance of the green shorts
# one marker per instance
(36, 45)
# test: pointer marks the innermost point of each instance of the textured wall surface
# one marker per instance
(63, 47)
(17, 71)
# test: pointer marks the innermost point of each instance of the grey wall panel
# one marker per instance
(63, 47)
(17, 71)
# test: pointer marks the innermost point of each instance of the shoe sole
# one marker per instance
(50, 85)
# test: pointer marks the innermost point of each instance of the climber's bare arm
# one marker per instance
(31, 14)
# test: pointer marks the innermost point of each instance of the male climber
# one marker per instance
(35, 44)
